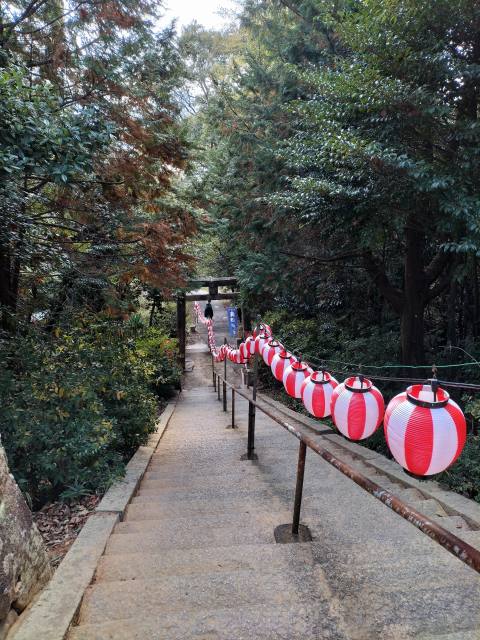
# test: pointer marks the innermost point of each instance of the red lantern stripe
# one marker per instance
(419, 442)
(458, 418)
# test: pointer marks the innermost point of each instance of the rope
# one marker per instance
(356, 368)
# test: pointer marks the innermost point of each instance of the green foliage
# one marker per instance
(75, 406)
(464, 475)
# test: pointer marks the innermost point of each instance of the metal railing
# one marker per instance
(459, 548)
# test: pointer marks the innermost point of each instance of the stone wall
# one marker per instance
(24, 564)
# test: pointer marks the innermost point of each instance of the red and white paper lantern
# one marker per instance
(357, 408)
(425, 431)
(243, 351)
(250, 345)
(280, 362)
(270, 350)
(260, 341)
(294, 376)
(262, 328)
(239, 358)
(317, 392)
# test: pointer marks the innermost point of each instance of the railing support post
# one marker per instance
(218, 388)
(224, 395)
(295, 532)
(233, 408)
(251, 455)
(302, 453)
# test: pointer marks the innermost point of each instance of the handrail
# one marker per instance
(459, 548)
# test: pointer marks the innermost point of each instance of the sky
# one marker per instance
(203, 11)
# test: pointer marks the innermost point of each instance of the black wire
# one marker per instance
(321, 363)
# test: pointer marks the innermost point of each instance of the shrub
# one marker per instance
(75, 406)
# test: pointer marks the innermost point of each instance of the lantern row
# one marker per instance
(424, 428)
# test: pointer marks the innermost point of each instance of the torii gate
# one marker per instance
(213, 294)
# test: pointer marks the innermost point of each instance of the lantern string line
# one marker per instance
(354, 369)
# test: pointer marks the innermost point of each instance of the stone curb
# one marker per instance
(52, 613)
(452, 502)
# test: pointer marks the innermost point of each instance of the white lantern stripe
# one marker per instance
(307, 397)
(445, 440)
(459, 420)
(373, 413)
(395, 424)
(340, 404)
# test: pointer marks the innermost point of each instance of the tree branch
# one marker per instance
(375, 270)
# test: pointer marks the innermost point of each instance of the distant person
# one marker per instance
(208, 310)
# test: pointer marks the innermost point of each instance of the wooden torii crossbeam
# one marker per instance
(213, 294)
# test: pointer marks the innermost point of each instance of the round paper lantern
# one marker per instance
(250, 344)
(357, 408)
(270, 350)
(280, 362)
(262, 328)
(317, 393)
(260, 341)
(425, 430)
(294, 376)
(243, 350)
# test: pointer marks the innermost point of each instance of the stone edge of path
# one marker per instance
(51, 615)
(453, 503)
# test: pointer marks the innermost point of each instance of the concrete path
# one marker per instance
(195, 556)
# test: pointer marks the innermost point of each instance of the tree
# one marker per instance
(387, 145)
(87, 196)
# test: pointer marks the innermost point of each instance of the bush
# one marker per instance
(75, 406)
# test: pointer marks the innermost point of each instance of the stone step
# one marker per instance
(469, 634)
(188, 538)
(233, 622)
(455, 524)
(472, 537)
(258, 557)
(110, 601)
(247, 522)
(225, 492)
(428, 507)
(141, 509)
(244, 480)
(237, 471)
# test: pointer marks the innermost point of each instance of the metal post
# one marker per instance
(224, 395)
(213, 370)
(302, 452)
(225, 362)
(218, 388)
(295, 532)
(233, 408)
(251, 455)
(214, 381)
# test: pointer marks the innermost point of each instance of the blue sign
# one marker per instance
(232, 317)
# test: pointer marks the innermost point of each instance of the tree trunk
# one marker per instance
(8, 298)
(412, 322)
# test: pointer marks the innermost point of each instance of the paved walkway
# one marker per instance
(195, 556)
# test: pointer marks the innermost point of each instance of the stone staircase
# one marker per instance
(195, 556)
(363, 460)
